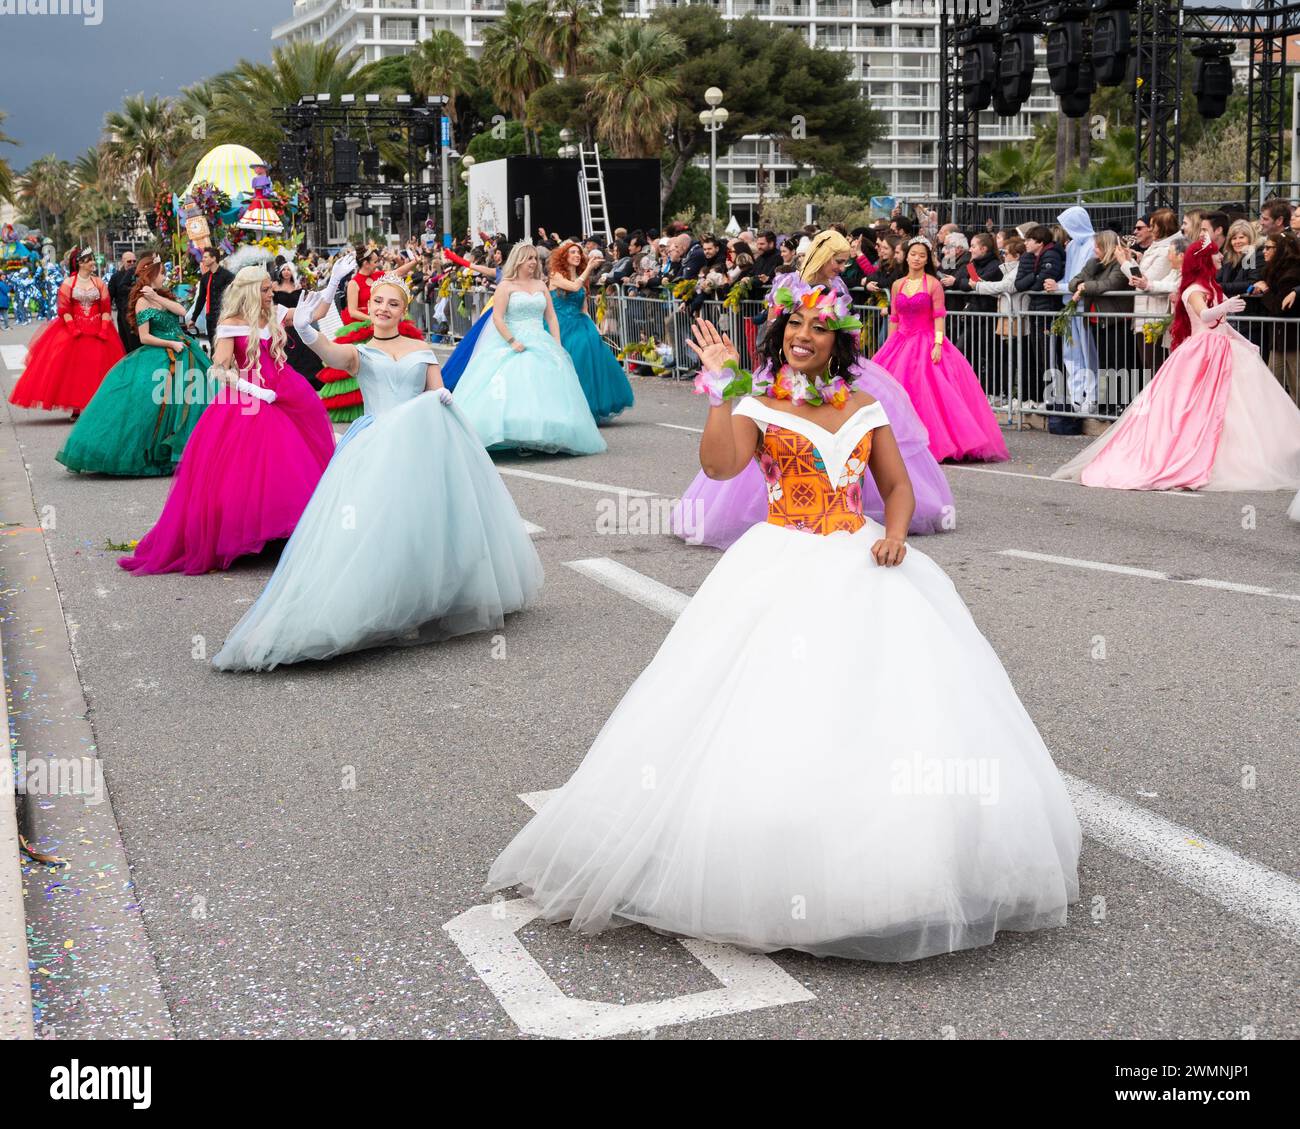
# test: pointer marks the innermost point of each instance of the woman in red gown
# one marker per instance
(67, 360)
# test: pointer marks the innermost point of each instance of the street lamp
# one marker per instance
(713, 120)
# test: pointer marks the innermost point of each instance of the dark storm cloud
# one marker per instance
(61, 74)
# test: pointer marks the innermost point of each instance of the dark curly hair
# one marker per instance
(844, 354)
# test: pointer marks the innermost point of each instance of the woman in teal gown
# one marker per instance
(603, 380)
(141, 417)
(520, 390)
(410, 537)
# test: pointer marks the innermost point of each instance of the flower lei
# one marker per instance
(783, 384)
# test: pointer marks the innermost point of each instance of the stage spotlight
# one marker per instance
(340, 210)
(1075, 102)
(1064, 48)
(1213, 80)
(979, 68)
(1016, 67)
(1112, 40)
(370, 163)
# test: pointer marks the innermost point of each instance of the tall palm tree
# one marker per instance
(441, 65)
(143, 136)
(244, 100)
(513, 63)
(634, 90)
(98, 195)
(571, 27)
(47, 189)
(7, 186)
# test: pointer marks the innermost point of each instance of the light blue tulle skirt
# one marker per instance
(527, 401)
(411, 537)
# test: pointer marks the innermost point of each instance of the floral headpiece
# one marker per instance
(395, 280)
(831, 307)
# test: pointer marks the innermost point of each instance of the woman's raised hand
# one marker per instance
(713, 348)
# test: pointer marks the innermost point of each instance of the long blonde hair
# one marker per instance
(511, 269)
(243, 301)
(1106, 241)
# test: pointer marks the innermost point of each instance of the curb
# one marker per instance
(92, 973)
(15, 978)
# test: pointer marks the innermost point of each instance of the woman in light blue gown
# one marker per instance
(411, 536)
(520, 390)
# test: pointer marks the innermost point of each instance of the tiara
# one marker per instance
(920, 239)
(832, 308)
(391, 279)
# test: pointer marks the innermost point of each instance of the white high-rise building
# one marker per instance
(894, 53)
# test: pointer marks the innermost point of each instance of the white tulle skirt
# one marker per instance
(824, 755)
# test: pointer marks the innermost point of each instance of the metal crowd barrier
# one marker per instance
(1024, 367)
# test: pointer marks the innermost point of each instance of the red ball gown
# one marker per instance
(67, 360)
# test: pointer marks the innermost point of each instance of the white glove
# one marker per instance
(444, 394)
(255, 390)
(1211, 314)
(302, 318)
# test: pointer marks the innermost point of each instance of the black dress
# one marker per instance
(300, 358)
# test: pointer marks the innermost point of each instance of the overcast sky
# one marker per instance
(59, 76)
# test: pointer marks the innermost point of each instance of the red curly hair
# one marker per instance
(559, 260)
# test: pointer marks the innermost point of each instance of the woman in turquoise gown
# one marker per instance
(141, 417)
(410, 537)
(520, 390)
(603, 380)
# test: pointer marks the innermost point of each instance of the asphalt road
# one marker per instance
(298, 840)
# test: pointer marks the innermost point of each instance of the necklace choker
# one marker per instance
(393, 338)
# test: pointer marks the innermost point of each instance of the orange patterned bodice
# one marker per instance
(814, 476)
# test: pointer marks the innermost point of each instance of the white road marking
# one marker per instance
(1242, 886)
(487, 936)
(14, 357)
(532, 530)
(579, 483)
(536, 800)
(1149, 574)
(635, 586)
(683, 427)
(1265, 896)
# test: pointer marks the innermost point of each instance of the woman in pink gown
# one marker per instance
(943, 387)
(1212, 418)
(256, 453)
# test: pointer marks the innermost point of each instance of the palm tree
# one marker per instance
(98, 195)
(143, 136)
(634, 90)
(1017, 169)
(47, 188)
(513, 64)
(570, 28)
(7, 186)
(441, 65)
(243, 100)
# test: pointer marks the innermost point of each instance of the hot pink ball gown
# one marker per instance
(1213, 417)
(947, 396)
(248, 471)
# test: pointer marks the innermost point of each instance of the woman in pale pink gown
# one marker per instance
(1213, 417)
(256, 454)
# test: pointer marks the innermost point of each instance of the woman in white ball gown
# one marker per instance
(411, 536)
(825, 754)
(520, 390)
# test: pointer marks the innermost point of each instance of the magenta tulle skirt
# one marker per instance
(245, 478)
(946, 396)
(717, 513)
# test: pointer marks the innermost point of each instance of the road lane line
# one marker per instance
(579, 483)
(1148, 574)
(1242, 886)
(649, 593)
(14, 357)
(532, 530)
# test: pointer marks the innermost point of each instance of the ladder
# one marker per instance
(591, 184)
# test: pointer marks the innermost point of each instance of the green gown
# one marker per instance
(139, 421)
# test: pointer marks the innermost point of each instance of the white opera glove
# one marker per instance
(302, 319)
(1212, 314)
(344, 267)
(445, 396)
(266, 395)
